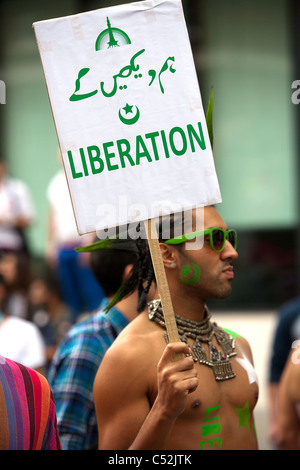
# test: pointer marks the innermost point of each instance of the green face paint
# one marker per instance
(190, 274)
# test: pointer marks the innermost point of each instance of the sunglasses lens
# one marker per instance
(218, 239)
(232, 238)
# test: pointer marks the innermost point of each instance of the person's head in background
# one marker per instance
(113, 269)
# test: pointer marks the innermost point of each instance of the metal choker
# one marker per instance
(201, 332)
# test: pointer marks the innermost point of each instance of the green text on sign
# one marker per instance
(150, 147)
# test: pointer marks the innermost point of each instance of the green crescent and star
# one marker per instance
(130, 119)
(190, 274)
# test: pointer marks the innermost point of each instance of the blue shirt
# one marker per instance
(72, 373)
(287, 331)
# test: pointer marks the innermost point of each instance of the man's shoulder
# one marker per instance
(39, 381)
(135, 341)
(231, 333)
(88, 331)
(86, 341)
(290, 309)
(84, 328)
(92, 324)
(88, 324)
(241, 343)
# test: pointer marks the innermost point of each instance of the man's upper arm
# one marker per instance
(121, 402)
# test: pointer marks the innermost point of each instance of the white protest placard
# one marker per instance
(128, 113)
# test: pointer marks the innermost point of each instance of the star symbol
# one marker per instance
(186, 270)
(128, 108)
(244, 415)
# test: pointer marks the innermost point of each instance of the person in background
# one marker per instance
(77, 359)
(16, 270)
(20, 340)
(79, 288)
(17, 212)
(48, 312)
(287, 331)
(27, 409)
(288, 415)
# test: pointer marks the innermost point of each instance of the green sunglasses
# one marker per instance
(217, 238)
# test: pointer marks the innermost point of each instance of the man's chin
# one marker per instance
(222, 293)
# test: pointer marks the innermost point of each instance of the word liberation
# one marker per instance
(151, 146)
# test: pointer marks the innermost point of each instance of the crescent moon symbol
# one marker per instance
(130, 121)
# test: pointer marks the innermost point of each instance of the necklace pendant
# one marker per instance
(198, 352)
(223, 371)
(224, 340)
(221, 364)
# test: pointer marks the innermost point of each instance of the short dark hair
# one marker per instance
(108, 268)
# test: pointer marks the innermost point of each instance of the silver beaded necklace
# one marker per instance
(201, 332)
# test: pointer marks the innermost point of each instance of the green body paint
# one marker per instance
(244, 415)
(190, 274)
(232, 333)
(208, 429)
(213, 428)
(211, 443)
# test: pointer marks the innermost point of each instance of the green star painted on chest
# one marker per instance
(244, 415)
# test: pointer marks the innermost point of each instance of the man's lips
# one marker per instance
(228, 271)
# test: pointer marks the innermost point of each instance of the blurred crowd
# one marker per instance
(41, 302)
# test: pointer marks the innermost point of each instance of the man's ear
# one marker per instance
(169, 255)
(127, 272)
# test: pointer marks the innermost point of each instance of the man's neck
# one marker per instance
(128, 307)
(188, 306)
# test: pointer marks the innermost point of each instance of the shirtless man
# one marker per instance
(146, 398)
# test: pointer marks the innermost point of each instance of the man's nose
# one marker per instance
(229, 251)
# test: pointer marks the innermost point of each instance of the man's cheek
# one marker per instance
(190, 274)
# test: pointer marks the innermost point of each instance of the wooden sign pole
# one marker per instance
(161, 280)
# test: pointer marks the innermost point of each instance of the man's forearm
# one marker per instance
(154, 432)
